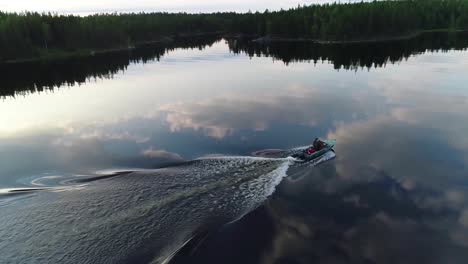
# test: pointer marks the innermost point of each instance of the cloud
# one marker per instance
(154, 153)
(221, 117)
(105, 136)
(145, 5)
(420, 150)
(74, 149)
(348, 225)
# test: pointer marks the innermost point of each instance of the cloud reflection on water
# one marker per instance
(397, 193)
(220, 117)
(382, 223)
(168, 132)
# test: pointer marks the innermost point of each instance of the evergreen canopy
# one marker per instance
(25, 35)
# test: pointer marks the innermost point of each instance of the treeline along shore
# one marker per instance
(40, 36)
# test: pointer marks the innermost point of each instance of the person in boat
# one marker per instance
(316, 146)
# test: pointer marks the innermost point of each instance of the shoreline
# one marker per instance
(61, 55)
(269, 39)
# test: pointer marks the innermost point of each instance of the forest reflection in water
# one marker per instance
(38, 76)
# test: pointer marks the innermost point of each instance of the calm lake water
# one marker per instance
(147, 156)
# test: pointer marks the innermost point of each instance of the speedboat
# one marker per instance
(304, 155)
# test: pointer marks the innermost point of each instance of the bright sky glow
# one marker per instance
(90, 6)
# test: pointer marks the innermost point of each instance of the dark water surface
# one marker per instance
(97, 154)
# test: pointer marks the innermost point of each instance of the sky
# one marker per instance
(91, 6)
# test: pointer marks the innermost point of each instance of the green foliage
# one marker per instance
(27, 35)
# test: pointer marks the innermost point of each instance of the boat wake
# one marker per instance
(142, 216)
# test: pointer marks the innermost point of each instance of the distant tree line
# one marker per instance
(28, 35)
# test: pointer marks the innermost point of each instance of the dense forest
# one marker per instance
(28, 35)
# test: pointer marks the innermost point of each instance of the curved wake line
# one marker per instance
(244, 178)
(247, 158)
(276, 176)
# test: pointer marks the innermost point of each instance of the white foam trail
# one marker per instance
(172, 200)
(242, 158)
(271, 179)
(277, 176)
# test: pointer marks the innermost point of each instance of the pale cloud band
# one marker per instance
(149, 5)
